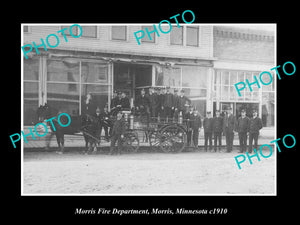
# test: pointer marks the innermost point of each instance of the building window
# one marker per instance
(192, 36)
(118, 33)
(152, 35)
(176, 36)
(87, 31)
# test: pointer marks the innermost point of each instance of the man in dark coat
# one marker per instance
(142, 102)
(189, 122)
(208, 129)
(125, 104)
(242, 127)
(168, 103)
(175, 104)
(153, 101)
(228, 128)
(118, 131)
(254, 127)
(196, 125)
(217, 130)
(183, 103)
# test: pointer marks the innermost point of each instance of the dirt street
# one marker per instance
(193, 173)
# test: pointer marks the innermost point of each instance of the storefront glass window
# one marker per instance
(31, 89)
(168, 76)
(99, 95)
(64, 98)
(31, 99)
(94, 72)
(63, 70)
(194, 77)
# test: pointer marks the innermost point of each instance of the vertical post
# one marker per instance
(80, 86)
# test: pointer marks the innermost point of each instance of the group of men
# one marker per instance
(163, 103)
(160, 102)
(227, 125)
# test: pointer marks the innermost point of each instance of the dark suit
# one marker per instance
(217, 130)
(228, 127)
(196, 124)
(154, 104)
(142, 101)
(254, 127)
(208, 129)
(168, 104)
(125, 104)
(242, 127)
(189, 122)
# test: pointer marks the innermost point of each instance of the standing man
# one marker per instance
(196, 125)
(228, 128)
(183, 102)
(142, 102)
(255, 126)
(217, 130)
(189, 124)
(125, 104)
(208, 129)
(175, 104)
(153, 101)
(242, 127)
(117, 134)
(168, 103)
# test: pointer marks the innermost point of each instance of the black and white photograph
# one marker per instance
(143, 109)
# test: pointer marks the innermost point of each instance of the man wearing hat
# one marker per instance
(175, 104)
(189, 124)
(217, 130)
(196, 125)
(228, 128)
(183, 102)
(208, 129)
(168, 103)
(254, 127)
(142, 102)
(153, 102)
(242, 127)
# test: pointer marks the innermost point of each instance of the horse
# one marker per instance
(86, 124)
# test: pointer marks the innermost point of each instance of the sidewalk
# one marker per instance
(267, 134)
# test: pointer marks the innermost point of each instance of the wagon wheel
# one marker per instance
(131, 142)
(154, 139)
(172, 138)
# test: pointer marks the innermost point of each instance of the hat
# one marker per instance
(217, 110)
(175, 90)
(182, 90)
(208, 112)
(254, 110)
(243, 111)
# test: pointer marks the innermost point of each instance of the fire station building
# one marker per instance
(204, 60)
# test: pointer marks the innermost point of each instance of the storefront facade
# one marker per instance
(107, 58)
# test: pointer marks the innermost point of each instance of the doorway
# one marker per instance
(130, 78)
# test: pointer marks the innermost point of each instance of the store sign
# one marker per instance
(52, 45)
(159, 26)
(263, 74)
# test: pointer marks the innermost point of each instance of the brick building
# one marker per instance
(204, 60)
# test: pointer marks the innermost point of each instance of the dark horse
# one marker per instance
(86, 124)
